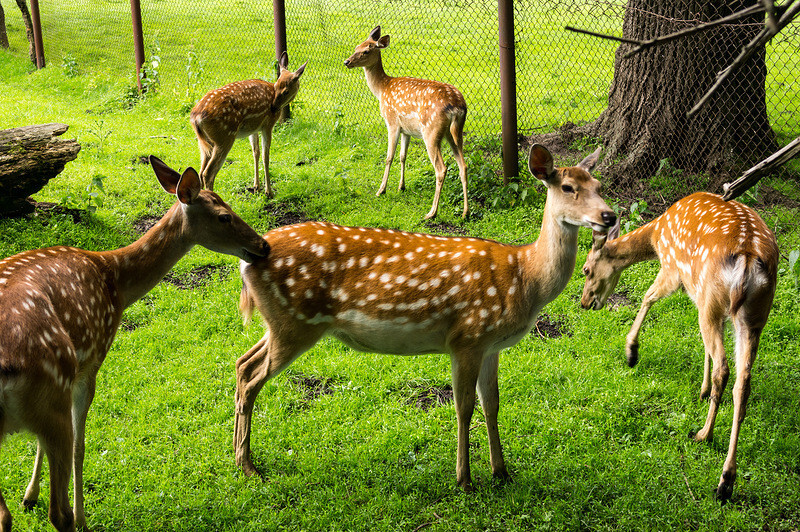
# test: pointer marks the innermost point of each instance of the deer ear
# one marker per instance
(614, 231)
(590, 161)
(189, 186)
(598, 240)
(166, 176)
(540, 162)
(383, 42)
(375, 34)
(284, 60)
(299, 71)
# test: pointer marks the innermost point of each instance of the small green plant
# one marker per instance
(69, 66)
(149, 75)
(584, 143)
(338, 120)
(794, 267)
(194, 73)
(101, 133)
(89, 199)
(636, 214)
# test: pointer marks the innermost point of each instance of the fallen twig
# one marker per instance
(751, 176)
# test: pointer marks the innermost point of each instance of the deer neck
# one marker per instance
(550, 261)
(377, 78)
(633, 247)
(137, 268)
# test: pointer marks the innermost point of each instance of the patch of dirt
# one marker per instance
(195, 277)
(550, 327)
(46, 207)
(446, 228)
(145, 223)
(286, 213)
(310, 160)
(618, 299)
(141, 159)
(769, 197)
(426, 397)
(311, 387)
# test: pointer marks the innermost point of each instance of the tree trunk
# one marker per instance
(30, 157)
(3, 34)
(26, 18)
(645, 121)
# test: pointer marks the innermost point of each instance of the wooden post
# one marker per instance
(138, 40)
(37, 34)
(279, 21)
(508, 88)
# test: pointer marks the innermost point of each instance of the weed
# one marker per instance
(90, 199)
(584, 143)
(794, 267)
(101, 133)
(69, 65)
(194, 73)
(149, 75)
(338, 120)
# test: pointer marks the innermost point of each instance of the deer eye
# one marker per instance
(225, 218)
(567, 189)
(586, 271)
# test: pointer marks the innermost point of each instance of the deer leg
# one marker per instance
(711, 328)
(5, 516)
(456, 140)
(32, 491)
(205, 156)
(255, 148)
(662, 286)
(215, 162)
(82, 396)
(266, 142)
(267, 358)
(54, 431)
(433, 145)
(489, 395)
(465, 369)
(394, 135)
(403, 152)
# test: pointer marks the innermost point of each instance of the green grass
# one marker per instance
(591, 444)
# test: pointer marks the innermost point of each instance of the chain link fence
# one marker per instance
(562, 77)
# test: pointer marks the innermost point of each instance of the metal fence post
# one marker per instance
(37, 34)
(279, 18)
(508, 88)
(138, 40)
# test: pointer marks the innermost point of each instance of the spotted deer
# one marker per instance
(60, 308)
(242, 109)
(413, 107)
(725, 257)
(387, 291)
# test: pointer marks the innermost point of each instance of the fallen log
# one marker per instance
(30, 157)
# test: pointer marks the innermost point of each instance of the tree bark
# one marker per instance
(3, 34)
(645, 121)
(26, 18)
(30, 157)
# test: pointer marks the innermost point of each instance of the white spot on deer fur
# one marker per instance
(290, 281)
(372, 297)
(363, 262)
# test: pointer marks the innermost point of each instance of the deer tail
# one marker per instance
(246, 304)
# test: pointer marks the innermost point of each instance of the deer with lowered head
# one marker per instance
(242, 109)
(726, 258)
(413, 107)
(393, 292)
(60, 308)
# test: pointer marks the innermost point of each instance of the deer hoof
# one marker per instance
(632, 353)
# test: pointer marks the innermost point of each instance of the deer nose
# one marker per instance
(609, 218)
(346, 62)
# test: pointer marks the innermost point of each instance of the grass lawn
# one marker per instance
(342, 437)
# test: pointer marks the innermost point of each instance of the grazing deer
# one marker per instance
(238, 110)
(414, 107)
(726, 258)
(393, 292)
(60, 308)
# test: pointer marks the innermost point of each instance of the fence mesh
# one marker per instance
(561, 76)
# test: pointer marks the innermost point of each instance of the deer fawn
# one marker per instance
(726, 257)
(238, 110)
(387, 291)
(59, 310)
(413, 107)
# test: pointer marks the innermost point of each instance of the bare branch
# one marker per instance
(746, 12)
(752, 176)
(772, 18)
(763, 37)
(602, 35)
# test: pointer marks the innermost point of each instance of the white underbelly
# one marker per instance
(395, 336)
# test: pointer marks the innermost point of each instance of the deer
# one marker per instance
(413, 107)
(395, 292)
(60, 308)
(242, 109)
(725, 257)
